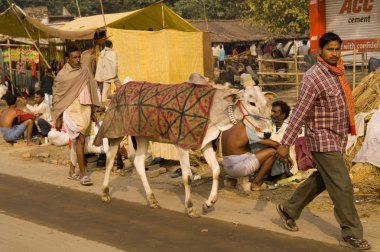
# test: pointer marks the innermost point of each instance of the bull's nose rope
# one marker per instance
(241, 107)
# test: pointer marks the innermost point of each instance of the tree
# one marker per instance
(189, 9)
(285, 16)
(215, 9)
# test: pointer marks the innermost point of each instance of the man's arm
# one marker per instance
(58, 123)
(39, 109)
(269, 143)
(306, 100)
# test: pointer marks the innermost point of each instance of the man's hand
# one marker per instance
(283, 153)
(58, 123)
(289, 162)
(22, 100)
(117, 83)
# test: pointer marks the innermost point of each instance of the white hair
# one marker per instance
(197, 78)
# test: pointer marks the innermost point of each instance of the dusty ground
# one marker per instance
(368, 203)
(367, 199)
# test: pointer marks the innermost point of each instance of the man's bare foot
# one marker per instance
(71, 170)
(262, 187)
(18, 145)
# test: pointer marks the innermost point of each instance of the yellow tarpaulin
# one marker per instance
(154, 17)
(165, 56)
(15, 23)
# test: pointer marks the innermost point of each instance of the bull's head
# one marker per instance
(254, 106)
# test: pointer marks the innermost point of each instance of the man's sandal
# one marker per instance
(86, 181)
(74, 176)
(288, 222)
(355, 243)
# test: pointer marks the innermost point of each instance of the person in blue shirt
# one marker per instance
(222, 56)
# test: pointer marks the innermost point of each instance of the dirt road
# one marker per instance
(131, 226)
(46, 196)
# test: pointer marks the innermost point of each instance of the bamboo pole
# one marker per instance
(279, 84)
(296, 65)
(104, 17)
(204, 12)
(277, 73)
(79, 14)
(19, 45)
(10, 67)
(354, 71)
(280, 61)
(30, 36)
(163, 16)
(260, 75)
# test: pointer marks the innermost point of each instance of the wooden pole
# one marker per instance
(354, 70)
(76, 1)
(10, 67)
(296, 65)
(30, 36)
(163, 16)
(104, 18)
(204, 12)
(260, 68)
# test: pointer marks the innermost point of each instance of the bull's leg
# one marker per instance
(111, 153)
(210, 156)
(187, 177)
(142, 148)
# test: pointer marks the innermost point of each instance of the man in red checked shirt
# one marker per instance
(325, 107)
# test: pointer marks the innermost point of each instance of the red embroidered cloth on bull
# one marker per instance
(176, 114)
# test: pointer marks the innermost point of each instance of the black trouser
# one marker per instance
(332, 175)
(44, 127)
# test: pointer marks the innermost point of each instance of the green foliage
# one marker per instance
(215, 9)
(284, 16)
(189, 9)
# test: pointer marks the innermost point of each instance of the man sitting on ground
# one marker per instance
(12, 125)
(41, 111)
(279, 113)
(238, 161)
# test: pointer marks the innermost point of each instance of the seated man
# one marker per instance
(41, 111)
(279, 113)
(238, 161)
(14, 122)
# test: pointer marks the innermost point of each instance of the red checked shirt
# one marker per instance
(322, 109)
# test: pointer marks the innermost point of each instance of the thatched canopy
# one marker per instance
(235, 31)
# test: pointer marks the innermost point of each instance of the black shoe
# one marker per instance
(101, 161)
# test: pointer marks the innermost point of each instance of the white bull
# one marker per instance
(227, 108)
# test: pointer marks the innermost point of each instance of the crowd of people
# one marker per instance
(64, 107)
(324, 108)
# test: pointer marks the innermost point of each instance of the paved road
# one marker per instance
(134, 227)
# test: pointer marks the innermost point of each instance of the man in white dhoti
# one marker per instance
(74, 97)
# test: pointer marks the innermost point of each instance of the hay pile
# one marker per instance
(366, 95)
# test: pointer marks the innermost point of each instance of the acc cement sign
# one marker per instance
(356, 21)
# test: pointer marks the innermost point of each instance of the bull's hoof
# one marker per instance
(207, 208)
(155, 205)
(106, 195)
(192, 213)
(106, 198)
